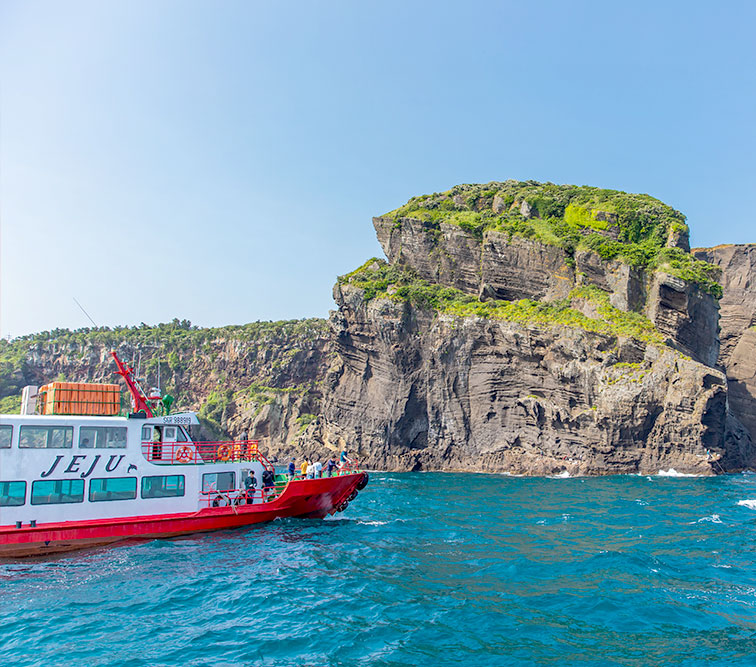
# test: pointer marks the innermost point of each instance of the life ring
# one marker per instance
(184, 454)
(363, 482)
(223, 453)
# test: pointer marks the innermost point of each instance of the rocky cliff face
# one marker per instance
(414, 390)
(523, 328)
(499, 265)
(423, 379)
(738, 325)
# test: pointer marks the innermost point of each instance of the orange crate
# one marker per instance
(80, 398)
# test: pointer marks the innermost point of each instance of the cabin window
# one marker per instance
(169, 433)
(6, 434)
(46, 437)
(218, 481)
(180, 435)
(12, 494)
(102, 437)
(146, 433)
(57, 491)
(163, 486)
(112, 488)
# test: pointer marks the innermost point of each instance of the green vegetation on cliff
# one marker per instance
(632, 228)
(179, 347)
(378, 279)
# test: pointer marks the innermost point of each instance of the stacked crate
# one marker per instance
(79, 398)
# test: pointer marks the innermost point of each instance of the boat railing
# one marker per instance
(202, 452)
(240, 497)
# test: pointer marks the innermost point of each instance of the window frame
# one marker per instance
(173, 495)
(49, 429)
(9, 428)
(206, 489)
(92, 491)
(97, 430)
(57, 481)
(9, 482)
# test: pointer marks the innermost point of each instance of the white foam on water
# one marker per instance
(562, 475)
(750, 504)
(673, 473)
(714, 518)
(372, 523)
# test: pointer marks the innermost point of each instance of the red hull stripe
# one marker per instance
(316, 497)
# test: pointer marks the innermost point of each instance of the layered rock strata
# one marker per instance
(501, 266)
(738, 325)
(412, 390)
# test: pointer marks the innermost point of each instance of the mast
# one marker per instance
(137, 393)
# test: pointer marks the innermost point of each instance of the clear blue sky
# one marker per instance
(221, 161)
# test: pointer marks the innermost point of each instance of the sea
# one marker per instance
(421, 569)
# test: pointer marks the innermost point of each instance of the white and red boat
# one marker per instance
(72, 481)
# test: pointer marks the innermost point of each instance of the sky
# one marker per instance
(221, 161)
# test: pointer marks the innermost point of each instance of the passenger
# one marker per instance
(157, 447)
(250, 486)
(303, 468)
(291, 469)
(268, 483)
(318, 469)
(330, 466)
(344, 459)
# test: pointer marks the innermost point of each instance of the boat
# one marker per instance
(71, 481)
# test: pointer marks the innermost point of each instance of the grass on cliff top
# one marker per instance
(378, 279)
(632, 228)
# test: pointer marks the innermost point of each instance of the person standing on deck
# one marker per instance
(250, 486)
(344, 459)
(291, 469)
(157, 439)
(318, 469)
(303, 469)
(330, 466)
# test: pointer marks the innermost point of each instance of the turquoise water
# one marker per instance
(422, 569)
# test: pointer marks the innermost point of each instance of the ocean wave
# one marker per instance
(714, 518)
(750, 504)
(673, 473)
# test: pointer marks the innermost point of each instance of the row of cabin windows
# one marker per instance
(90, 437)
(61, 437)
(60, 491)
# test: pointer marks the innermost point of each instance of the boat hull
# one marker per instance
(313, 498)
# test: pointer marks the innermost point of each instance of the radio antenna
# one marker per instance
(86, 313)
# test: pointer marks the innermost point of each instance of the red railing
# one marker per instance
(240, 497)
(185, 453)
(345, 469)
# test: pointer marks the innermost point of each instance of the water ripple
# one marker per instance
(421, 569)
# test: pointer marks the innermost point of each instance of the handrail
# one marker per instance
(201, 452)
(240, 496)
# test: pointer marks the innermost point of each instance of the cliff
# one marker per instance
(531, 328)
(738, 325)
(516, 327)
